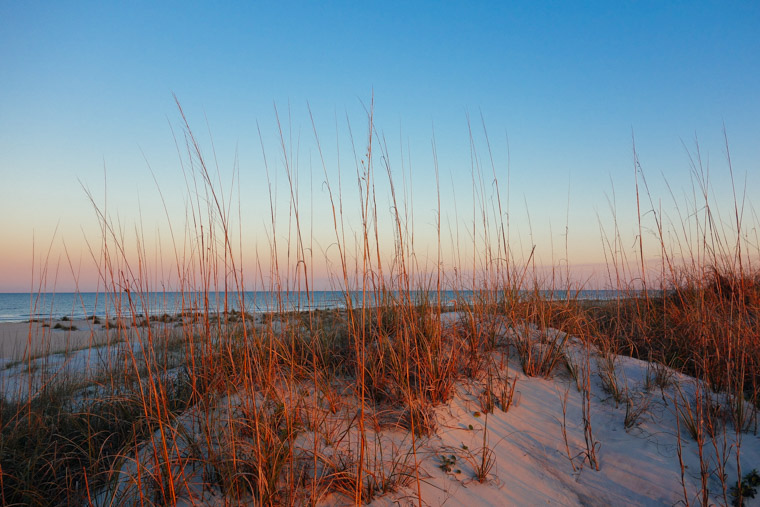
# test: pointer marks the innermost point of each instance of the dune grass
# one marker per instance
(291, 407)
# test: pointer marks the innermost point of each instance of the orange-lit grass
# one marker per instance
(290, 408)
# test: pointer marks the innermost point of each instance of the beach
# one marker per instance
(614, 435)
(21, 339)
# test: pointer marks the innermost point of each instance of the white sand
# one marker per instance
(637, 466)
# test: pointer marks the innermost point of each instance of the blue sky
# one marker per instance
(88, 87)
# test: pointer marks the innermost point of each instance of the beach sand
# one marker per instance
(33, 353)
(537, 446)
(21, 339)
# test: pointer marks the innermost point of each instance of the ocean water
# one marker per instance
(21, 307)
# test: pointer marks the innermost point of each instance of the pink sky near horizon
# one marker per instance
(58, 269)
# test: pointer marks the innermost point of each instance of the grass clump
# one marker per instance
(63, 444)
(64, 327)
(746, 488)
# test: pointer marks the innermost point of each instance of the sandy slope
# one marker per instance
(638, 466)
(532, 464)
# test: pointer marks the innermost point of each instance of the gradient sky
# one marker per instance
(86, 94)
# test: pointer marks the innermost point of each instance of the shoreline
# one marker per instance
(18, 308)
(43, 336)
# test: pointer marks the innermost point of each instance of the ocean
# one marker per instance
(21, 307)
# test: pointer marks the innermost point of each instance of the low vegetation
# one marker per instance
(290, 407)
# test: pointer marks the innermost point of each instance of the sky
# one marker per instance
(560, 92)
